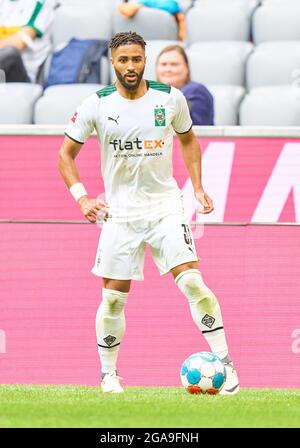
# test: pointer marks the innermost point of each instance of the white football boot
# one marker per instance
(231, 386)
(111, 383)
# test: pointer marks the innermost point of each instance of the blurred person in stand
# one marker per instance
(129, 9)
(172, 67)
(25, 42)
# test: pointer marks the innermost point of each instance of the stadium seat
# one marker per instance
(82, 21)
(276, 22)
(273, 63)
(280, 2)
(17, 102)
(153, 48)
(245, 5)
(106, 3)
(151, 23)
(227, 100)
(271, 106)
(59, 103)
(212, 23)
(215, 63)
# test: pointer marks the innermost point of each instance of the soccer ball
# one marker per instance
(203, 373)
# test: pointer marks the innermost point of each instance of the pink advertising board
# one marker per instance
(250, 179)
(49, 297)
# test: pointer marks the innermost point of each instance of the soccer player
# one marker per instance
(134, 120)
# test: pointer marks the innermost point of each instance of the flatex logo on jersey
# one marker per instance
(137, 145)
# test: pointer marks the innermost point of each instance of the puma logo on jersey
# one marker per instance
(114, 119)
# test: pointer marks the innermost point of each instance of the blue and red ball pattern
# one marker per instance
(203, 373)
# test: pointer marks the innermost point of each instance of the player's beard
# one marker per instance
(132, 87)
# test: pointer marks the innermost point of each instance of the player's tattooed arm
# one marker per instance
(191, 152)
(91, 208)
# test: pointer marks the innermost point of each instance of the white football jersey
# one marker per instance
(136, 140)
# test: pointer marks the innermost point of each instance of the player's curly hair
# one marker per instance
(130, 37)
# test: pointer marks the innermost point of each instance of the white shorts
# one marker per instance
(121, 248)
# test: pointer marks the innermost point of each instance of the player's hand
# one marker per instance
(205, 200)
(93, 209)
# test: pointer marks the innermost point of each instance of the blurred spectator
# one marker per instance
(129, 9)
(24, 37)
(172, 67)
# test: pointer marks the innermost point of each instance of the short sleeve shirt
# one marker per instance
(136, 140)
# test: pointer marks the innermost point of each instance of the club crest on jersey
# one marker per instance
(160, 116)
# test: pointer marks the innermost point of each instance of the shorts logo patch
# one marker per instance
(160, 116)
(187, 234)
(208, 320)
(109, 340)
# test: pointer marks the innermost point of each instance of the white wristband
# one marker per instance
(77, 190)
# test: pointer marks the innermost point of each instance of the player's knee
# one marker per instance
(191, 284)
(113, 301)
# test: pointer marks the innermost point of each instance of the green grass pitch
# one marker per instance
(33, 406)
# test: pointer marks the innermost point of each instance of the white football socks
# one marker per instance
(110, 327)
(205, 310)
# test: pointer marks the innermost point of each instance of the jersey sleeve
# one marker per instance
(82, 123)
(182, 121)
(42, 16)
